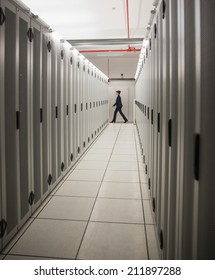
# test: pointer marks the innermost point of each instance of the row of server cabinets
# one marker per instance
(175, 105)
(53, 104)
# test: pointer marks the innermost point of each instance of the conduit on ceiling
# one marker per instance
(129, 49)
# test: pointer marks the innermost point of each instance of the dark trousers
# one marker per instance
(121, 113)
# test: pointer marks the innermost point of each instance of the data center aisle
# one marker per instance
(100, 211)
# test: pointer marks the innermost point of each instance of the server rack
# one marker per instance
(70, 110)
(181, 154)
(43, 117)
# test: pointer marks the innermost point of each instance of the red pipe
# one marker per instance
(112, 51)
(127, 16)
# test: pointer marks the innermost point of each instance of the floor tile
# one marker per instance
(123, 158)
(124, 146)
(121, 176)
(124, 151)
(145, 191)
(20, 257)
(51, 238)
(148, 212)
(121, 165)
(90, 165)
(141, 166)
(79, 188)
(17, 236)
(152, 242)
(143, 177)
(96, 157)
(120, 190)
(86, 175)
(1, 257)
(100, 151)
(70, 208)
(41, 206)
(117, 210)
(113, 242)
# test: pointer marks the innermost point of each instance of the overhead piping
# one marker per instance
(127, 16)
(118, 41)
(111, 51)
(129, 49)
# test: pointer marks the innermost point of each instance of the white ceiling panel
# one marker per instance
(100, 20)
(93, 19)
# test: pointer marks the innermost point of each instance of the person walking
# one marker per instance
(118, 105)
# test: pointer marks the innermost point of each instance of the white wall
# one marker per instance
(122, 85)
(113, 67)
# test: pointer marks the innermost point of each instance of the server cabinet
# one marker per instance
(165, 126)
(9, 125)
(171, 216)
(36, 114)
(151, 149)
(186, 126)
(1, 219)
(83, 105)
(87, 137)
(78, 105)
(70, 109)
(54, 163)
(47, 177)
(156, 119)
(75, 86)
(160, 119)
(2, 140)
(204, 175)
(65, 107)
(26, 196)
(58, 110)
(91, 104)
(15, 124)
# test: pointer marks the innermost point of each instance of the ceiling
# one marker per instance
(98, 28)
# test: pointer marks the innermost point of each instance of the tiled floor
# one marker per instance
(101, 211)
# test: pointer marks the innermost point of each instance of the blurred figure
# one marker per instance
(118, 105)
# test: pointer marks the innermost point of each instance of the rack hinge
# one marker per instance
(149, 183)
(161, 239)
(49, 179)
(18, 120)
(2, 16)
(155, 30)
(30, 34)
(196, 162)
(49, 46)
(62, 166)
(71, 157)
(31, 198)
(158, 122)
(41, 115)
(170, 132)
(153, 204)
(3, 227)
(164, 8)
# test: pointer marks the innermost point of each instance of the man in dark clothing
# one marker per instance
(118, 105)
